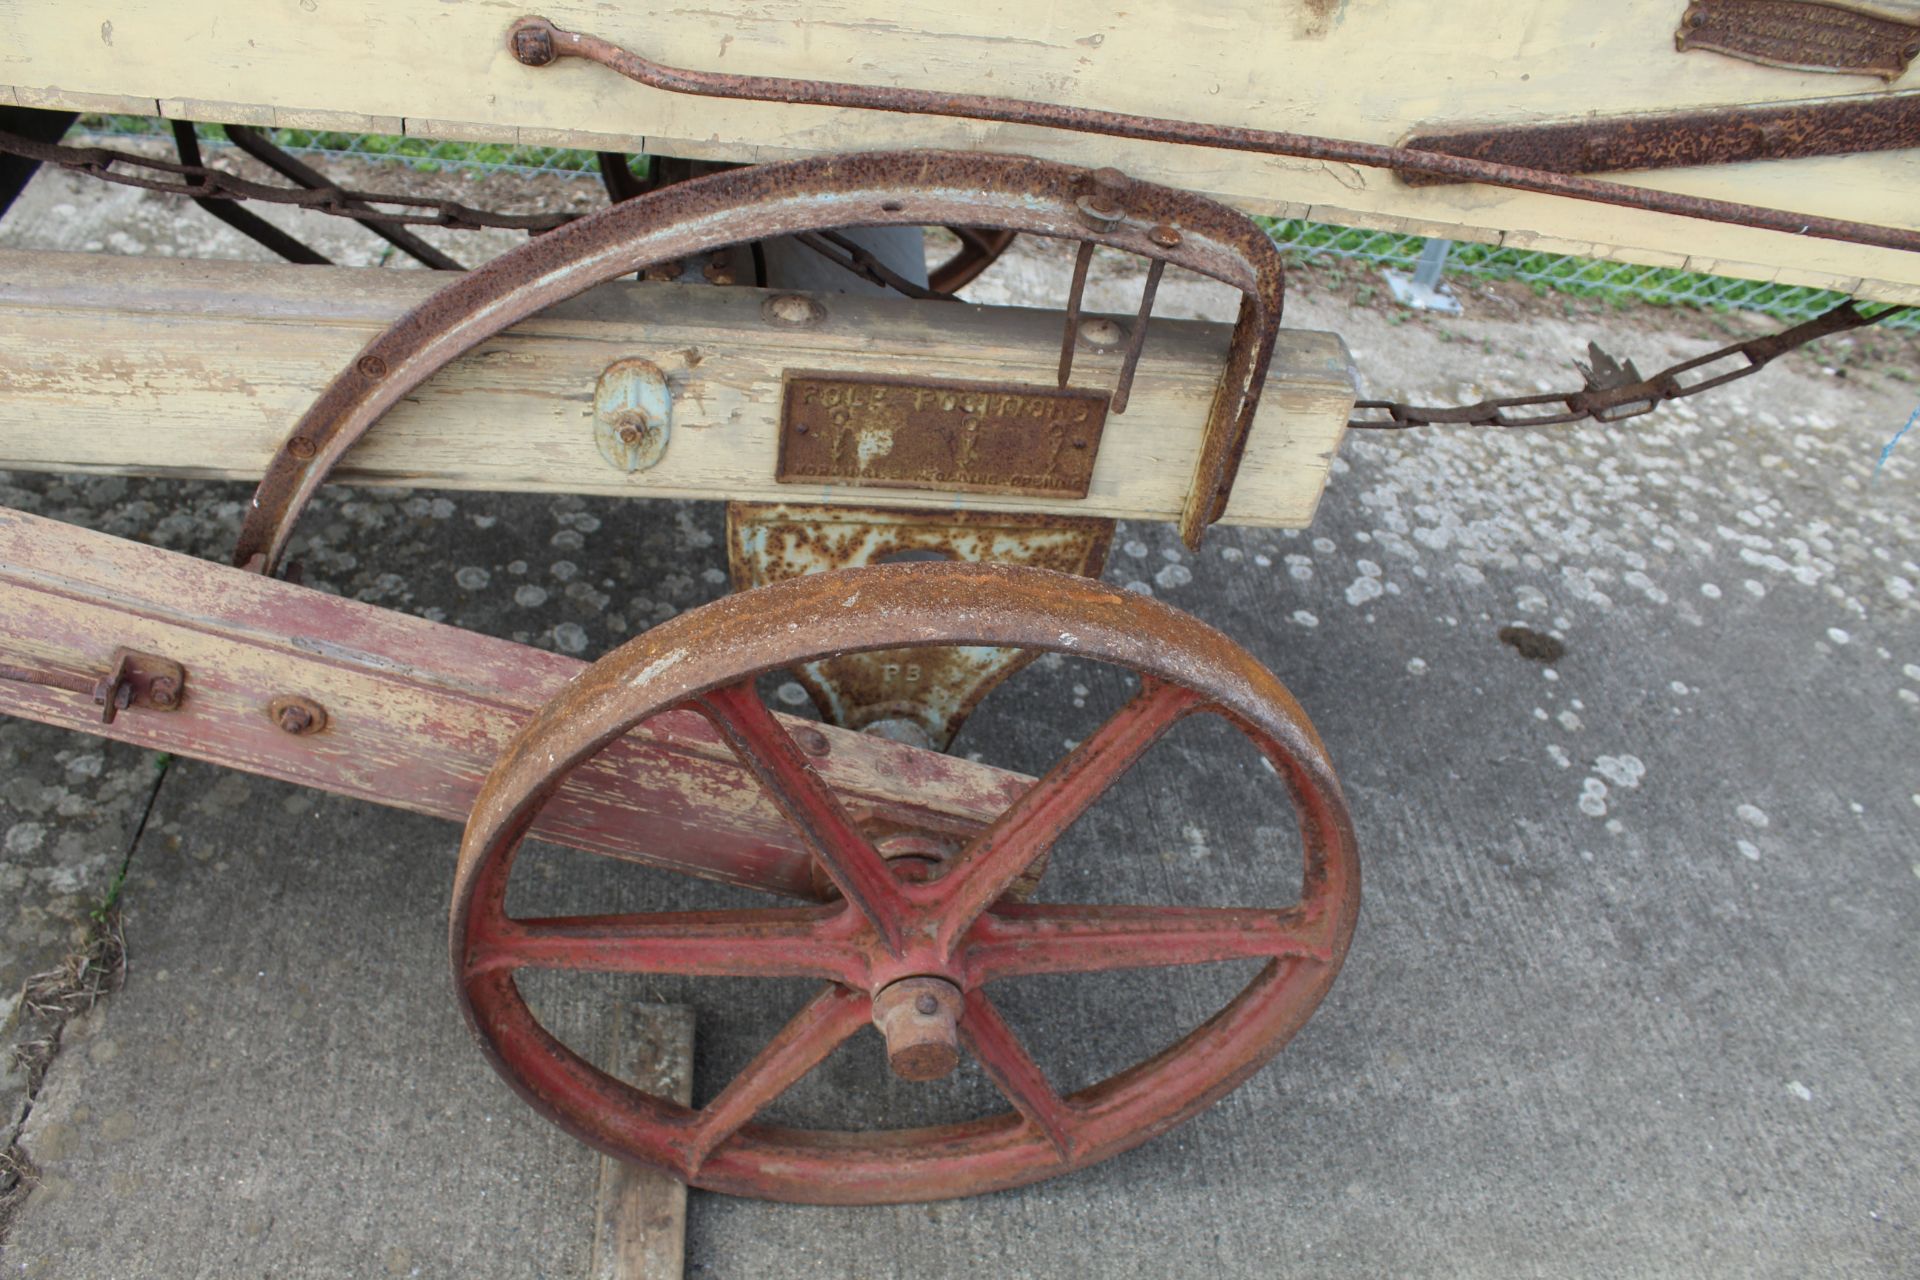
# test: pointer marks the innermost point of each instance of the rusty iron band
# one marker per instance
(536, 42)
(1686, 139)
(911, 188)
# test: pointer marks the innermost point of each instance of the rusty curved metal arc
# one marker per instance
(902, 188)
(536, 42)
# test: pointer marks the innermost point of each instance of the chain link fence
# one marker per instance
(1300, 239)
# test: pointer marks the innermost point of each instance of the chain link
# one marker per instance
(1614, 390)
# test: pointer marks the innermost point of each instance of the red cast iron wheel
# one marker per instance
(957, 927)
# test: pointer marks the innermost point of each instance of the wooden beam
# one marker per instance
(417, 712)
(1373, 72)
(154, 366)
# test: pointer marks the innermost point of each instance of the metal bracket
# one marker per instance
(922, 695)
(134, 679)
(1424, 292)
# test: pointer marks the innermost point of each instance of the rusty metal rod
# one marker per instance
(1137, 339)
(257, 146)
(1081, 262)
(536, 42)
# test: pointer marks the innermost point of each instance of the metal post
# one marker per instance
(1424, 292)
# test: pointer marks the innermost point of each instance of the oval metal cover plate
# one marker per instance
(1801, 35)
(915, 433)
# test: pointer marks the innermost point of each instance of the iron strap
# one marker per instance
(1614, 390)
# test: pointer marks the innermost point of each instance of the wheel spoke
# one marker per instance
(984, 869)
(809, 804)
(1053, 938)
(803, 1044)
(788, 942)
(1011, 1068)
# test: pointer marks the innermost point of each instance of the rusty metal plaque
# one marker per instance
(911, 433)
(1802, 35)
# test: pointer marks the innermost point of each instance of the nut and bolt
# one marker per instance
(297, 715)
(1098, 212)
(163, 691)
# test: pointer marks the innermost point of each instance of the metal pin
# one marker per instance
(1080, 264)
(1137, 340)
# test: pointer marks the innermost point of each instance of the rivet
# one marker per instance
(1101, 333)
(302, 447)
(793, 309)
(812, 741)
(372, 367)
(1165, 236)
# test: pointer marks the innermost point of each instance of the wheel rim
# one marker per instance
(956, 928)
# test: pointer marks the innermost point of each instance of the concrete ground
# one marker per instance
(1633, 991)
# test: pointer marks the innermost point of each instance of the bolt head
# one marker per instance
(302, 447)
(372, 367)
(1165, 236)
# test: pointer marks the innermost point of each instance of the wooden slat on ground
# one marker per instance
(640, 1226)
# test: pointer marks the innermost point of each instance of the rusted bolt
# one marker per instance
(1111, 180)
(920, 1019)
(1165, 236)
(794, 309)
(1098, 212)
(296, 715)
(163, 691)
(811, 741)
(531, 43)
(632, 414)
(664, 271)
(302, 447)
(1102, 334)
(719, 271)
(372, 367)
(799, 428)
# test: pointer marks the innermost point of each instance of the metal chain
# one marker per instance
(1614, 390)
(204, 183)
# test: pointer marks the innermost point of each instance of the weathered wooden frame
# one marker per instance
(1373, 72)
(213, 363)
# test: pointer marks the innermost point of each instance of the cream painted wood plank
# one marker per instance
(1376, 72)
(201, 368)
